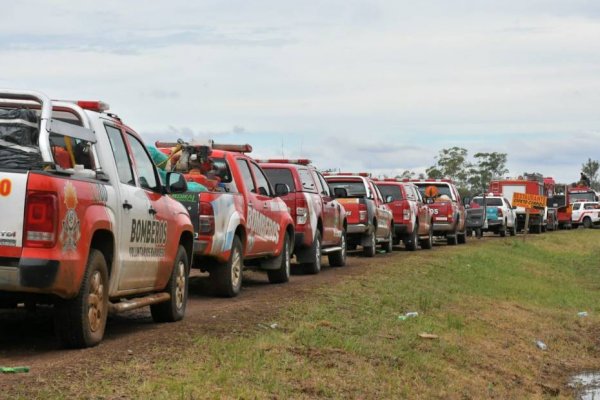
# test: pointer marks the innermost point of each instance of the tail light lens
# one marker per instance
(362, 213)
(301, 211)
(500, 214)
(41, 220)
(406, 214)
(206, 219)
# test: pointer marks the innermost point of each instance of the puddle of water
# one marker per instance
(587, 385)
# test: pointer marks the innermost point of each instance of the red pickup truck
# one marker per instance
(448, 211)
(412, 216)
(88, 225)
(320, 218)
(370, 219)
(240, 221)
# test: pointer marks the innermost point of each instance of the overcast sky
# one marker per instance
(356, 85)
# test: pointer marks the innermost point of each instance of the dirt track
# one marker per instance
(28, 339)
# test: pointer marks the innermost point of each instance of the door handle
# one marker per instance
(265, 206)
(127, 206)
(152, 211)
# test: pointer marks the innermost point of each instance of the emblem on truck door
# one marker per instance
(70, 232)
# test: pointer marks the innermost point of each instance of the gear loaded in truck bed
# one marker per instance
(19, 139)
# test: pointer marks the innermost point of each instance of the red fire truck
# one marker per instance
(529, 184)
(562, 198)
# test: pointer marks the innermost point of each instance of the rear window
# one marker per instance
(491, 201)
(306, 180)
(280, 175)
(354, 189)
(391, 190)
(442, 189)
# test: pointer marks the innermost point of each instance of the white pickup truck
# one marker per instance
(585, 213)
(87, 225)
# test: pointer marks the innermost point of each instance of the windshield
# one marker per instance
(589, 196)
(354, 189)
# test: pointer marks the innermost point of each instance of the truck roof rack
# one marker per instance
(297, 161)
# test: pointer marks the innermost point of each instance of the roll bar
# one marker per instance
(49, 125)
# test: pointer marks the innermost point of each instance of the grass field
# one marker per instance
(487, 303)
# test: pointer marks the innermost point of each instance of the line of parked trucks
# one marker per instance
(97, 222)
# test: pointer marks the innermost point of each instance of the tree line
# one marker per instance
(473, 175)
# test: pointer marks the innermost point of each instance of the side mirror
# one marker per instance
(281, 189)
(340, 193)
(389, 199)
(176, 183)
(429, 200)
(467, 206)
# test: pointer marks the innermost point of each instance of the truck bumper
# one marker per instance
(442, 227)
(29, 275)
(400, 230)
(357, 229)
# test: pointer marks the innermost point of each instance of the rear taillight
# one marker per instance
(301, 211)
(206, 219)
(40, 220)
(406, 214)
(500, 214)
(362, 213)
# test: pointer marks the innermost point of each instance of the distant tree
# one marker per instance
(407, 174)
(486, 167)
(591, 169)
(452, 163)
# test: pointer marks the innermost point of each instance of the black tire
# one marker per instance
(503, 230)
(338, 258)
(282, 274)
(536, 229)
(512, 231)
(587, 222)
(314, 267)
(227, 277)
(388, 246)
(410, 240)
(452, 239)
(369, 251)
(178, 286)
(427, 244)
(462, 237)
(80, 322)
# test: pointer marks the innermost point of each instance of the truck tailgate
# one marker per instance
(13, 190)
(352, 209)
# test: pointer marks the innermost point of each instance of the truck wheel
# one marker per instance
(587, 222)
(410, 241)
(314, 267)
(227, 277)
(536, 229)
(369, 251)
(462, 237)
(512, 231)
(427, 244)
(174, 309)
(503, 230)
(452, 239)
(282, 274)
(338, 258)
(388, 246)
(80, 322)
